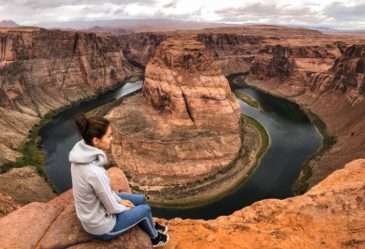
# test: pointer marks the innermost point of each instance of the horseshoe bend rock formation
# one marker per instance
(330, 216)
(184, 82)
(185, 127)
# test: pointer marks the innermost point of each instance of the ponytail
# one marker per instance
(91, 127)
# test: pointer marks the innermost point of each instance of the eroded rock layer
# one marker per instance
(186, 127)
(323, 73)
(43, 70)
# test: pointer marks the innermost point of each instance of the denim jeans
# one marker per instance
(140, 214)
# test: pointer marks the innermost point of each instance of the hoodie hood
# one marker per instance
(82, 153)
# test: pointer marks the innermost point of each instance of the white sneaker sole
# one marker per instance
(162, 243)
(165, 232)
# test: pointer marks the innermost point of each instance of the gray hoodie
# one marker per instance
(95, 202)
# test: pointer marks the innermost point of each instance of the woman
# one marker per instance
(103, 213)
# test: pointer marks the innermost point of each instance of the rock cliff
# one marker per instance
(43, 70)
(54, 225)
(331, 215)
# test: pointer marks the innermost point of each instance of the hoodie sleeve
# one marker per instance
(106, 195)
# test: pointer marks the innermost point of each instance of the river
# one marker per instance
(293, 139)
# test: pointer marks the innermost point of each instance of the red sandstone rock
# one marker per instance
(24, 227)
(42, 70)
(343, 111)
(185, 128)
(55, 225)
(331, 216)
(323, 73)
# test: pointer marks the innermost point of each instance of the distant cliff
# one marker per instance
(322, 73)
(42, 70)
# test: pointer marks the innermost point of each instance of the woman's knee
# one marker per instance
(145, 209)
(141, 198)
(136, 212)
(137, 199)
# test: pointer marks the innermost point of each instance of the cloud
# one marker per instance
(271, 13)
(171, 4)
(30, 12)
(343, 12)
(331, 13)
(46, 4)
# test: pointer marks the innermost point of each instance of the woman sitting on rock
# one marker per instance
(102, 212)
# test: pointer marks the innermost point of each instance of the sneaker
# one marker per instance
(160, 240)
(161, 228)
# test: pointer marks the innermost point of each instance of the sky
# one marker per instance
(346, 14)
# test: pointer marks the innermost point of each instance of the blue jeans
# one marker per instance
(140, 214)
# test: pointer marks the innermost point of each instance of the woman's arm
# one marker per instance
(105, 194)
(117, 197)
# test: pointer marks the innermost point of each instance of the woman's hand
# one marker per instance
(127, 203)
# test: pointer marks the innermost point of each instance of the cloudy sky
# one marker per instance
(345, 14)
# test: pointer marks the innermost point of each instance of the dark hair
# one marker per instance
(91, 127)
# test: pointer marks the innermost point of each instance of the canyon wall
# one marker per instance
(42, 70)
(322, 73)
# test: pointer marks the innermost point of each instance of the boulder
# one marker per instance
(54, 225)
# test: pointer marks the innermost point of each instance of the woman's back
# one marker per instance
(87, 171)
(102, 212)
